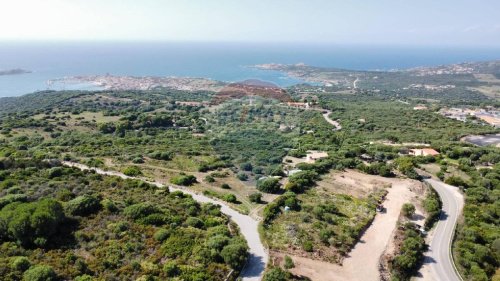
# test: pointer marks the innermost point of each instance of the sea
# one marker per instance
(229, 62)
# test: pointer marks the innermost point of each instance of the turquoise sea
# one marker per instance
(219, 61)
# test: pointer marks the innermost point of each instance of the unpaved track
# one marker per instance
(336, 124)
(258, 258)
(362, 262)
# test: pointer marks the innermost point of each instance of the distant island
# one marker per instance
(14, 71)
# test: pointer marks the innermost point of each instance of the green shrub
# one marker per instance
(242, 176)
(255, 197)
(225, 186)
(40, 273)
(432, 205)
(246, 167)
(275, 274)
(83, 206)
(235, 254)
(289, 262)
(31, 223)
(217, 242)
(64, 195)
(162, 235)
(231, 198)
(165, 156)
(132, 171)
(456, 181)
(109, 205)
(307, 246)
(140, 210)
(20, 264)
(195, 222)
(184, 180)
(269, 185)
(408, 210)
(209, 179)
(171, 269)
(7, 199)
(84, 277)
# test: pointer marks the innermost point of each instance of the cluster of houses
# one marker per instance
(489, 115)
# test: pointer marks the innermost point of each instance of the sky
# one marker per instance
(378, 22)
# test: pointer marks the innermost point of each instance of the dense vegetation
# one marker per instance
(410, 253)
(112, 228)
(60, 222)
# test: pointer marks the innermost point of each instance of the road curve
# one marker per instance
(258, 257)
(336, 124)
(439, 256)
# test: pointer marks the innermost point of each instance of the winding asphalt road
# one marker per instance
(439, 256)
(258, 257)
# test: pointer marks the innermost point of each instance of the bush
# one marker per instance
(195, 222)
(408, 210)
(84, 277)
(231, 198)
(161, 235)
(242, 176)
(289, 262)
(225, 186)
(132, 171)
(184, 180)
(31, 223)
(7, 199)
(171, 269)
(20, 264)
(246, 167)
(255, 197)
(410, 256)
(165, 156)
(40, 273)
(140, 210)
(456, 181)
(83, 206)
(209, 179)
(269, 185)
(275, 274)
(217, 242)
(235, 254)
(109, 205)
(308, 246)
(432, 205)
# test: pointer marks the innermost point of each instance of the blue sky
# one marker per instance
(379, 22)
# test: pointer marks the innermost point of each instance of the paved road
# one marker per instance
(439, 255)
(258, 258)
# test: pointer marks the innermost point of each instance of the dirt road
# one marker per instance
(362, 262)
(258, 257)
